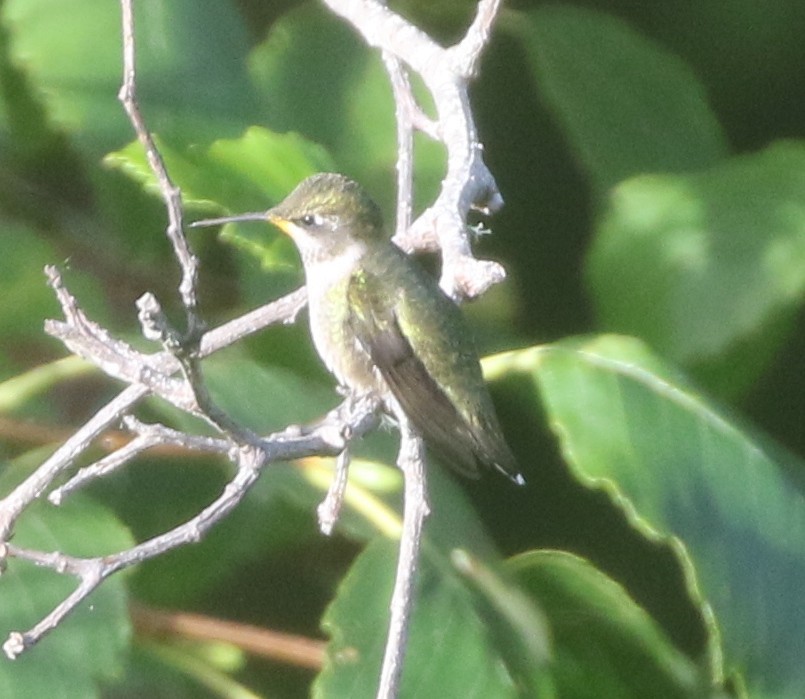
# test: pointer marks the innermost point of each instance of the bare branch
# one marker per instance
(467, 184)
(330, 508)
(147, 437)
(170, 192)
(93, 571)
(174, 374)
(411, 461)
(121, 361)
(14, 504)
(467, 52)
(358, 415)
(405, 106)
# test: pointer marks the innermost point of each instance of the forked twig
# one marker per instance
(468, 183)
(175, 376)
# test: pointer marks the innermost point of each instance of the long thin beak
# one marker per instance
(256, 216)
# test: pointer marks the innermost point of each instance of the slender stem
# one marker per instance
(404, 106)
(298, 651)
(330, 508)
(171, 194)
(12, 506)
(411, 461)
(467, 183)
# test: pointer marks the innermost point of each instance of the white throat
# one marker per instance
(323, 272)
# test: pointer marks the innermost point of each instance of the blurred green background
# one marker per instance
(652, 161)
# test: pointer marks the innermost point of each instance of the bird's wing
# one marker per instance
(377, 326)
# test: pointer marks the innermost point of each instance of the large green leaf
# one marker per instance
(686, 474)
(28, 300)
(248, 173)
(72, 52)
(627, 105)
(604, 645)
(449, 654)
(89, 645)
(452, 651)
(718, 258)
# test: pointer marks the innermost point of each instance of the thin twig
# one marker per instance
(404, 107)
(93, 571)
(148, 437)
(14, 504)
(359, 416)
(293, 650)
(170, 192)
(330, 508)
(411, 462)
(121, 361)
(148, 374)
(155, 325)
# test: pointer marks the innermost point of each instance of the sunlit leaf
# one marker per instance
(686, 474)
(626, 104)
(718, 258)
(72, 52)
(604, 645)
(450, 652)
(87, 647)
(246, 174)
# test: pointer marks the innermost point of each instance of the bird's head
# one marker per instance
(327, 215)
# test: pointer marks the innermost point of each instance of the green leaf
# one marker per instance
(90, 644)
(718, 258)
(72, 52)
(23, 286)
(686, 474)
(627, 105)
(449, 652)
(605, 645)
(453, 649)
(248, 173)
(516, 624)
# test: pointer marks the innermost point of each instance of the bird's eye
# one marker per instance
(312, 220)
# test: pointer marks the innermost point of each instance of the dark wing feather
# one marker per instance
(424, 402)
(430, 409)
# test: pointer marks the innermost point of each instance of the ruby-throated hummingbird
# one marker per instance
(381, 323)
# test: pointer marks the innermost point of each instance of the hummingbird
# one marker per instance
(381, 323)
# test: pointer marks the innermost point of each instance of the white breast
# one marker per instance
(333, 338)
